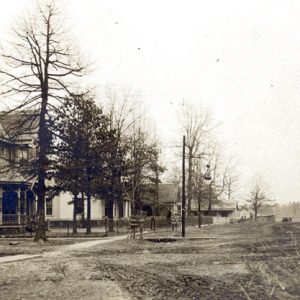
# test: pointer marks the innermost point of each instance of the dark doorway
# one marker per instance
(9, 207)
(148, 210)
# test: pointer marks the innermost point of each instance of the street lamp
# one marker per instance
(206, 177)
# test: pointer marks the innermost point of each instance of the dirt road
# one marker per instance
(241, 261)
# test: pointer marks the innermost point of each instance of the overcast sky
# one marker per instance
(239, 58)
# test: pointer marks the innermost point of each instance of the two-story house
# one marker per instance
(17, 197)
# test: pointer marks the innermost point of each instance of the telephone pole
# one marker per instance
(183, 190)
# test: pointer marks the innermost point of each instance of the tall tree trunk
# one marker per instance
(43, 142)
(40, 233)
(199, 211)
(209, 199)
(88, 215)
(255, 212)
(110, 215)
(156, 191)
(115, 189)
(82, 215)
(75, 213)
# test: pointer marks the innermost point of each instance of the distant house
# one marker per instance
(225, 210)
(266, 214)
(221, 213)
(168, 199)
(17, 197)
(243, 213)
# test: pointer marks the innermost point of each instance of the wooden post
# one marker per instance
(106, 226)
(117, 225)
(183, 190)
(141, 225)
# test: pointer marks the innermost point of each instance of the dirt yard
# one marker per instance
(238, 261)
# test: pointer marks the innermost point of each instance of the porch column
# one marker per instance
(19, 206)
(24, 203)
(1, 194)
(124, 209)
(115, 210)
(34, 205)
(129, 209)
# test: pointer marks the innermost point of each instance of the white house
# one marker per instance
(60, 208)
(17, 197)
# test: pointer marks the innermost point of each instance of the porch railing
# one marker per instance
(9, 219)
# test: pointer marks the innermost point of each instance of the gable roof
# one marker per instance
(12, 176)
(220, 207)
(167, 193)
(18, 126)
(3, 133)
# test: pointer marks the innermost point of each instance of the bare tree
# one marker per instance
(220, 181)
(258, 198)
(144, 168)
(202, 150)
(217, 184)
(38, 69)
(196, 124)
(230, 179)
(120, 109)
(199, 188)
(137, 156)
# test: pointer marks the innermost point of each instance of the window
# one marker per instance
(24, 154)
(11, 155)
(49, 206)
(15, 155)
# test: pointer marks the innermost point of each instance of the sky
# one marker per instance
(241, 59)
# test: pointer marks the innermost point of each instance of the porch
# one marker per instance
(17, 204)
